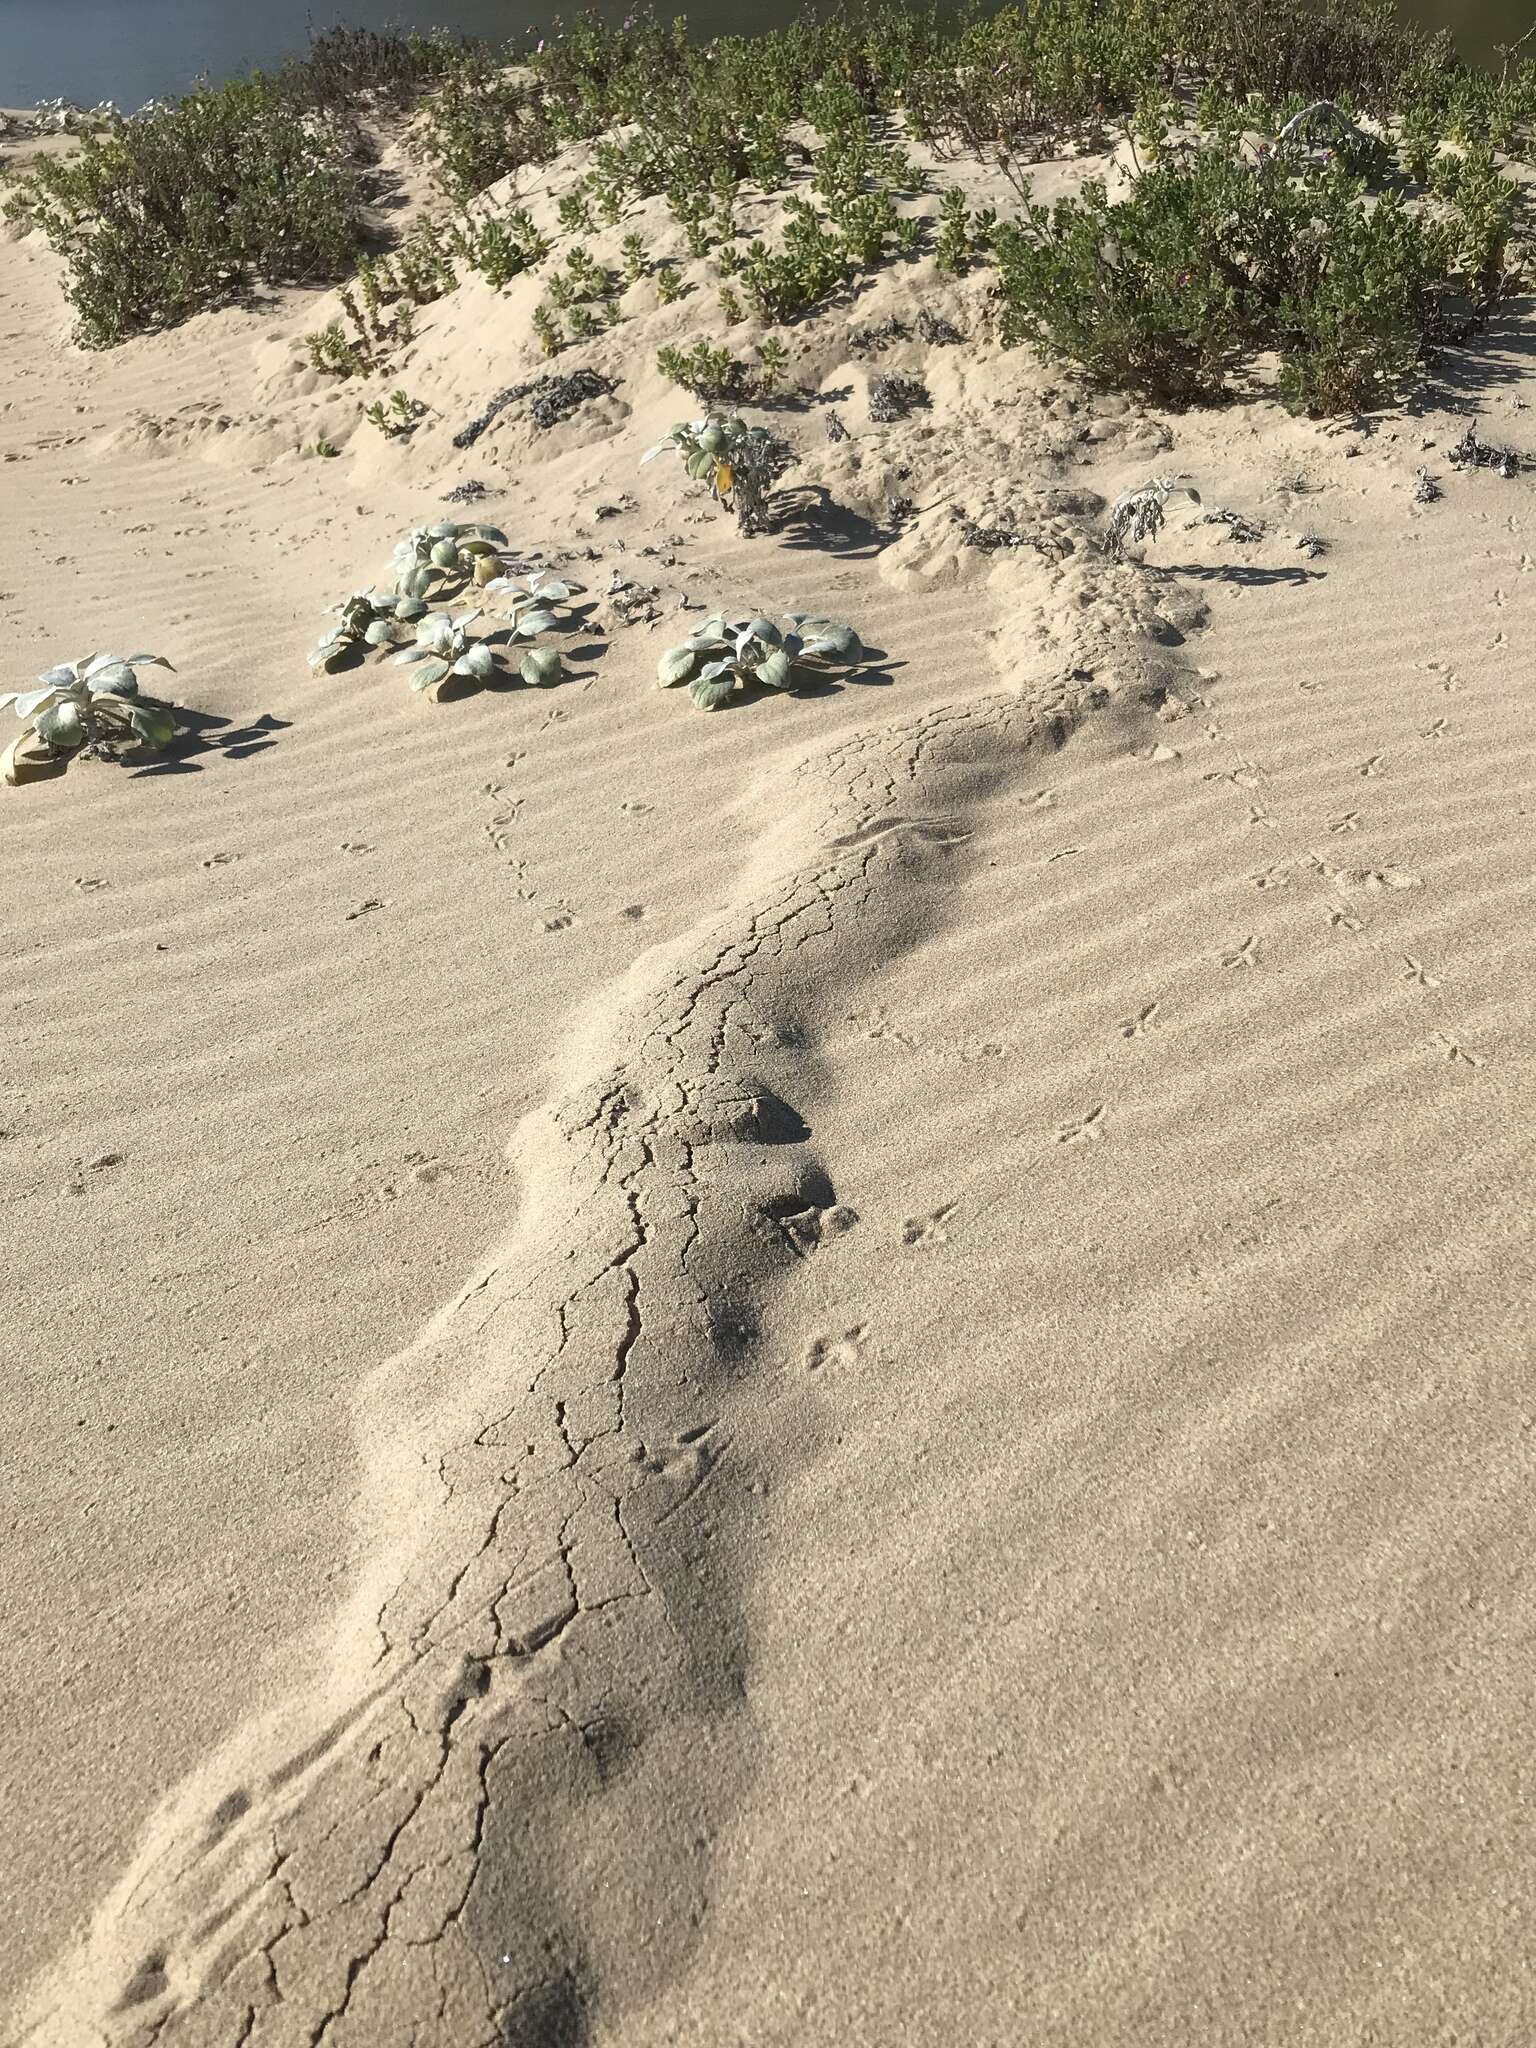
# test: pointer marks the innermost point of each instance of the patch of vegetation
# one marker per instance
(190, 204)
(720, 658)
(739, 463)
(1139, 515)
(93, 706)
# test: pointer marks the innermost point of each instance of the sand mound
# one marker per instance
(844, 1372)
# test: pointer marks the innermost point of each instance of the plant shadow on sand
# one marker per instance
(808, 516)
(204, 732)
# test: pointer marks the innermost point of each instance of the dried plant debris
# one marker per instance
(1470, 453)
(467, 493)
(936, 331)
(866, 340)
(1312, 545)
(893, 398)
(836, 431)
(989, 539)
(1238, 528)
(554, 399)
(1425, 488)
(1138, 514)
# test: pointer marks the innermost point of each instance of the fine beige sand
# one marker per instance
(855, 1372)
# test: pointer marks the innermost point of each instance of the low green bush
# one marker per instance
(1215, 256)
(185, 206)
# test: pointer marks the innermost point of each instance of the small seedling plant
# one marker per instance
(431, 562)
(83, 708)
(371, 620)
(721, 657)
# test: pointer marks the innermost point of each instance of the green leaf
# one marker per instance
(709, 692)
(61, 725)
(535, 622)
(445, 554)
(676, 666)
(477, 661)
(429, 673)
(155, 724)
(777, 671)
(700, 465)
(540, 666)
(380, 634)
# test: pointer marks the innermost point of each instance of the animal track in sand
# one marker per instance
(1245, 955)
(876, 1024)
(421, 1172)
(1139, 1025)
(1276, 877)
(362, 909)
(1349, 822)
(928, 1230)
(1456, 1052)
(1343, 920)
(91, 885)
(220, 860)
(354, 846)
(1438, 729)
(808, 1229)
(845, 1350)
(559, 920)
(1371, 767)
(1419, 973)
(1085, 1131)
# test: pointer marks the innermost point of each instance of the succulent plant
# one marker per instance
(721, 656)
(83, 706)
(430, 560)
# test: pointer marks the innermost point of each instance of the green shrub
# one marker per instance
(1214, 257)
(184, 206)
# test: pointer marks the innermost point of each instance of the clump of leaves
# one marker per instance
(444, 649)
(1426, 489)
(1138, 515)
(740, 463)
(399, 416)
(720, 657)
(710, 373)
(85, 707)
(366, 619)
(432, 560)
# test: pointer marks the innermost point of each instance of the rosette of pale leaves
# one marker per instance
(721, 656)
(444, 649)
(91, 703)
(430, 560)
(531, 608)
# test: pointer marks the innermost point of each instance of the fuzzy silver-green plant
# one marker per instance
(431, 561)
(721, 656)
(444, 649)
(366, 619)
(738, 462)
(82, 707)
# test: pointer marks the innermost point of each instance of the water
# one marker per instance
(132, 50)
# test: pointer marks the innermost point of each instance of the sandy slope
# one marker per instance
(850, 1372)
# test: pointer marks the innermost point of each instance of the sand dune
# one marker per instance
(853, 1371)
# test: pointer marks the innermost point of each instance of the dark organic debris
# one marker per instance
(465, 493)
(554, 399)
(1312, 545)
(836, 431)
(865, 340)
(989, 538)
(1470, 453)
(893, 398)
(936, 331)
(1238, 528)
(1425, 489)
